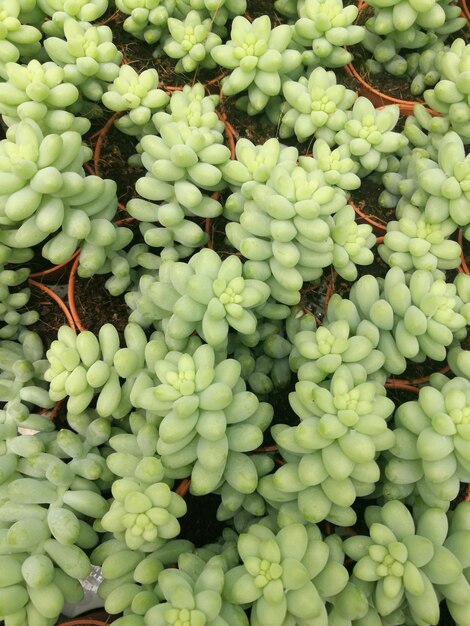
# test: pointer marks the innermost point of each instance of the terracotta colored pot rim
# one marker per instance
(84, 621)
(54, 273)
(377, 97)
(51, 294)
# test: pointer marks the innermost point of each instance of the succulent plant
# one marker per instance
(209, 420)
(404, 560)
(417, 316)
(285, 227)
(191, 41)
(206, 295)
(259, 58)
(137, 94)
(316, 106)
(46, 513)
(147, 19)
(330, 455)
(429, 458)
(285, 576)
(254, 163)
(220, 10)
(414, 243)
(38, 91)
(81, 10)
(45, 192)
(17, 38)
(326, 26)
(14, 316)
(370, 136)
(456, 593)
(22, 375)
(90, 59)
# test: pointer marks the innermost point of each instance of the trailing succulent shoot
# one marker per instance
(46, 515)
(370, 136)
(259, 58)
(326, 27)
(330, 455)
(136, 95)
(182, 163)
(209, 420)
(39, 92)
(287, 576)
(45, 192)
(17, 39)
(22, 383)
(81, 10)
(450, 95)
(286, 229)
(431, 454)
(206, 295)
(14, 297)
(315, 107)
(405, 561)
(414, 243)
(393, 16)
(191, 41)
(90, 59)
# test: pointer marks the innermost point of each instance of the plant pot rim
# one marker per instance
(56, 274)
(56, 298)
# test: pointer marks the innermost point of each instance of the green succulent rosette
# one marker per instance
(147, 19)
(192, 593)
(418, 316)
(39, 91)
(456, 593)
(326, 26)
(253, 163)
(191, 41)
(93, 369)
(192, 106)
(136, 94)
(370, 136)
(209, 420)
(143, 516)
(316, 106)
(404, 561)
(399, 16)
(412, 242)
(90, 59)
(318, 352)
(259, 57)
(45, 192)
(207, 295)
(285, 576)
(15, 295)
(338, 168)
(431, 456)
(331, 454)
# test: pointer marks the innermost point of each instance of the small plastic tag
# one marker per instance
(91, 600)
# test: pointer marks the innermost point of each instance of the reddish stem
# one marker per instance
(183, 488)
(99, 142)
(464, 266)
(400, 384)
(71, 296)
(367, 218)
